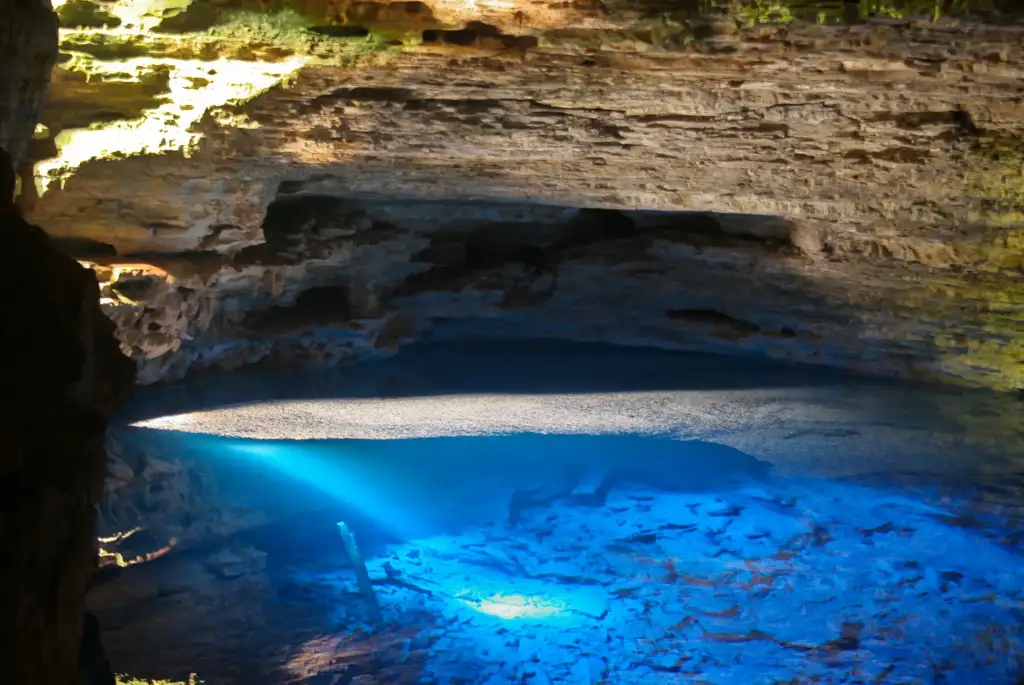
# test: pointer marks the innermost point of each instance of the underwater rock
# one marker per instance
(711, 595)
(634, 461)
(118, 471)
(235, 562)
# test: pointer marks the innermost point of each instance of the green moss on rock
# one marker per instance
(78, 99)
(84, 14)
(199, 16)
(760, 12)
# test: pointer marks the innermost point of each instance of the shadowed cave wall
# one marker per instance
(63, 375)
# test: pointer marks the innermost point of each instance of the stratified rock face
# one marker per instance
(62, 377)
(835, 186)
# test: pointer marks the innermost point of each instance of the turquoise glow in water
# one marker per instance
(676, 558)
(643, 557)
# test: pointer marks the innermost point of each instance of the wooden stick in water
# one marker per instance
(362, 575)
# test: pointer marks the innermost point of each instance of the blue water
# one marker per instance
(413, 487)
(526, 557)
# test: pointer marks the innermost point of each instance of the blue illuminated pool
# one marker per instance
(821, 530)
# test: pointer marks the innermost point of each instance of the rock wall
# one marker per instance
(856, 174)
(157, 499)
(63, 376)
(340, 279)
(29, 56)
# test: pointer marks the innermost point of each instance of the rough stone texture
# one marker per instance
(218, 598)
(145, 483)
(62, 378)
(880, 156)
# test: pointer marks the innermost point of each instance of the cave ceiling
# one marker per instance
(831, 182)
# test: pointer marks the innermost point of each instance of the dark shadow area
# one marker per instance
(340, 31)
(86, 249)
(319, 305)
(480, 35)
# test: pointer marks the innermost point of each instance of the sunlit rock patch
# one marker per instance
(114, 558)
(194, 88)
(202, 71)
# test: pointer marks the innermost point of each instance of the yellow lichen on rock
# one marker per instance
(241, 54)
(995, 182)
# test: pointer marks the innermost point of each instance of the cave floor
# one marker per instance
(784, 580)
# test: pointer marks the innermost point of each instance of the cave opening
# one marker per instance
(540, 507)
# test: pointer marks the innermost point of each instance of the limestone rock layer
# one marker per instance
(838, 183)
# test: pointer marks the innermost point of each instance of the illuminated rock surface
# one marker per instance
(765, 584)
(862, 164)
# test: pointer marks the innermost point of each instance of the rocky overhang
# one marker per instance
(309, 180)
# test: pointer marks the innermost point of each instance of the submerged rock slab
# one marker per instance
(762, 583)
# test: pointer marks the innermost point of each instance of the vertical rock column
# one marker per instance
(62, 375)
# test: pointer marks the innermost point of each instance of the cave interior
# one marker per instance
(513, 341)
